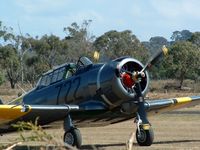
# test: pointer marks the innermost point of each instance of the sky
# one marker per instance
(145, 18)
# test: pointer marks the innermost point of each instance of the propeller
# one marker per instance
(153, 60)
(129, 77)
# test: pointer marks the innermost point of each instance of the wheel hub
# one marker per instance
(69, 138)
(141, 136)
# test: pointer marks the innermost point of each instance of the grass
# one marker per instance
(171, 86)
(7, 94)
(30, 133)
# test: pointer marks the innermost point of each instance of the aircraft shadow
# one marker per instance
(84, 147)
(175, 141)
(102, 146)
(99, 146)
(36, 148)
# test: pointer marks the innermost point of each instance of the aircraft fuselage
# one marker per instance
(93, 87)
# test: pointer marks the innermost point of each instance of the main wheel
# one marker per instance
(145, 138)
(73, 137)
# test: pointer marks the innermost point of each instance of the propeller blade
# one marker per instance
(155, 58)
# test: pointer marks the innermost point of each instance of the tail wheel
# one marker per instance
(145, 138)
(73, 138)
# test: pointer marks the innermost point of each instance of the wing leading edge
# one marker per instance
(12, 113)
(165, 105)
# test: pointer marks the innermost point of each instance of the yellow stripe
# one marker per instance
(184, 99)
(146, 126)
(11, 112)
(181, 102)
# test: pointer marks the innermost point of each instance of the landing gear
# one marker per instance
(144, 132)
(144, 137)
(72, 135)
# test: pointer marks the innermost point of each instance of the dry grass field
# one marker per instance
(179, 129)
(175, 130)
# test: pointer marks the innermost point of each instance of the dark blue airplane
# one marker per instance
(86, 94)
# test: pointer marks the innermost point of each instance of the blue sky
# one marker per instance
(145, 18)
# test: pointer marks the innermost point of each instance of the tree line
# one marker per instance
(183, 61)
(23, 58)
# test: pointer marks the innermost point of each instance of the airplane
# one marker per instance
(85, 94)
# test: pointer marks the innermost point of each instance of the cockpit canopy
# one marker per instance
(62, 72)
(83, 62)
(59, 73)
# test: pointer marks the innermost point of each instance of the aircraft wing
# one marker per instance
(47, 113)
(165, 105)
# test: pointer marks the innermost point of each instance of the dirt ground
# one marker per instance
(175, 130)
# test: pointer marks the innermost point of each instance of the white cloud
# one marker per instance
(141, 9)
(41, 6)
(177, 8)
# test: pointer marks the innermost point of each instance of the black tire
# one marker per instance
(73, 138)
(146, 138)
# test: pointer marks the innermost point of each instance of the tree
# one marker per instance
(195, 39)
(46, 52)
(2, 77)
(115, 44)
(34, 70)
(9, 61)
(183, 61)
(79, 40)
(18, 42)
(9, 53)
(155, 43)
(49, 49)
(181, 35)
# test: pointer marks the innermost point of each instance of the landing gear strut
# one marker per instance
(72, 135)
(144, 132)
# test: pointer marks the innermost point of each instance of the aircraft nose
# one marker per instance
(127, 71)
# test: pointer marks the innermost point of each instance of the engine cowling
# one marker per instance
(116, 82)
